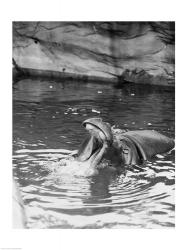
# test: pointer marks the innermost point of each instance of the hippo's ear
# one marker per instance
(150, 143)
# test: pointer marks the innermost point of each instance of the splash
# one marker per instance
(69, 166)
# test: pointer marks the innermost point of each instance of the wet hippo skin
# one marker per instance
(126, 148)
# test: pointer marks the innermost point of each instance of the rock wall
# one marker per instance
(140, 52)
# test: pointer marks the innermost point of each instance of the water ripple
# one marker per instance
(46, 130)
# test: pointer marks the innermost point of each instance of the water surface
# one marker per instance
(47, 119)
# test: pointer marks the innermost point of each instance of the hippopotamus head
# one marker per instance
(94, 147)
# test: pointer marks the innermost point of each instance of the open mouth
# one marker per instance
(94, 146)
(89, 148)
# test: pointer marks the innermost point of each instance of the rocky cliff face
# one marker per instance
(140, 52)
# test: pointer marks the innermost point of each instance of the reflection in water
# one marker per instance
(99, 189)
(47, 126)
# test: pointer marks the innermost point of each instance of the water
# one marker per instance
(47, 119)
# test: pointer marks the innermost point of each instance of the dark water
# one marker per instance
(47, 119)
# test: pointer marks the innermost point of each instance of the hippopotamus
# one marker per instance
(119, 149)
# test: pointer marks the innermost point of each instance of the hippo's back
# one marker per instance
(150, 142)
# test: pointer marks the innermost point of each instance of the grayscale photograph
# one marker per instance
(93, 141)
